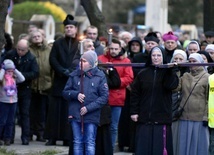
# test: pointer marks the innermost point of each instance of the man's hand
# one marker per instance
(66, 72)
(83, 111)
(129, 87)
(134, 117)
(81, 97)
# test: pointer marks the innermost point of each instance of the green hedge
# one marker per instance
(25, 10)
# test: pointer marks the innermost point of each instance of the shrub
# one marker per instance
(24, 11)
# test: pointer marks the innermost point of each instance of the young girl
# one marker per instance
(9, 76)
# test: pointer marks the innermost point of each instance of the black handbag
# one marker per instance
(180, 110)
(178, 114)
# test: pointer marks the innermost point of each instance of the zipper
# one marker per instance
(153, 87)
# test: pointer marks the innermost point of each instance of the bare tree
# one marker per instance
(95, 16)
(3, 13)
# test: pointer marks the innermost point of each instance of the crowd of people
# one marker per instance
(58, 90)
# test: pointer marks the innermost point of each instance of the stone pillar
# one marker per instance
(157, 15)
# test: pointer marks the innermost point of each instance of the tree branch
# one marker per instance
(3, 13)
(95, 16)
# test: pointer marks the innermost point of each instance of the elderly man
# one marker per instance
(41, 85)
(170, 44)
(125, 36)
(88, 45)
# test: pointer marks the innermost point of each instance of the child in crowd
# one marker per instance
(86, 96)
(9, 76)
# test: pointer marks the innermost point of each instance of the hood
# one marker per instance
(135, 39)
(149, 60)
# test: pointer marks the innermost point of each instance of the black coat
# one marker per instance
(151, 95)
(114, 82)
(61, 60)
(103, 137)
(139, 58)
(28, 66)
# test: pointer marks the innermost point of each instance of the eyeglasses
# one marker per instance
(114, 49)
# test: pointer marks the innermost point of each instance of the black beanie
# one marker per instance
(152, 36)
(69, 20)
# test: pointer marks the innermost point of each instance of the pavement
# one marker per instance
(37, 148)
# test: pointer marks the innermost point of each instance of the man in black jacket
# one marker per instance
(26, 63)
(61, 59)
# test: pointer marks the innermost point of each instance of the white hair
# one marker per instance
(121, 34)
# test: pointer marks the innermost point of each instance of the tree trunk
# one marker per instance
(95, 16)
(3, 13)
(208, 15)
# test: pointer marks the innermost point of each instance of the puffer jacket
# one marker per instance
(95, 89)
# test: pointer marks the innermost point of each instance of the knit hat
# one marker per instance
(197, 57)
(209, 34)
(90, 57)
(169, 36)
(8, 64)
(152, 36)
(181, 52)
(209, 47)
(69, 20)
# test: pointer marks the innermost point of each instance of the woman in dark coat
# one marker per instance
(151, 106)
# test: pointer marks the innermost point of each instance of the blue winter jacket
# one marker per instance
(95, 89)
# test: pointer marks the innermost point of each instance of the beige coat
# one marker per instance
(44, 82)
(196, 108)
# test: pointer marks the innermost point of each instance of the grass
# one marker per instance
(49, 152)
(3, 151)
